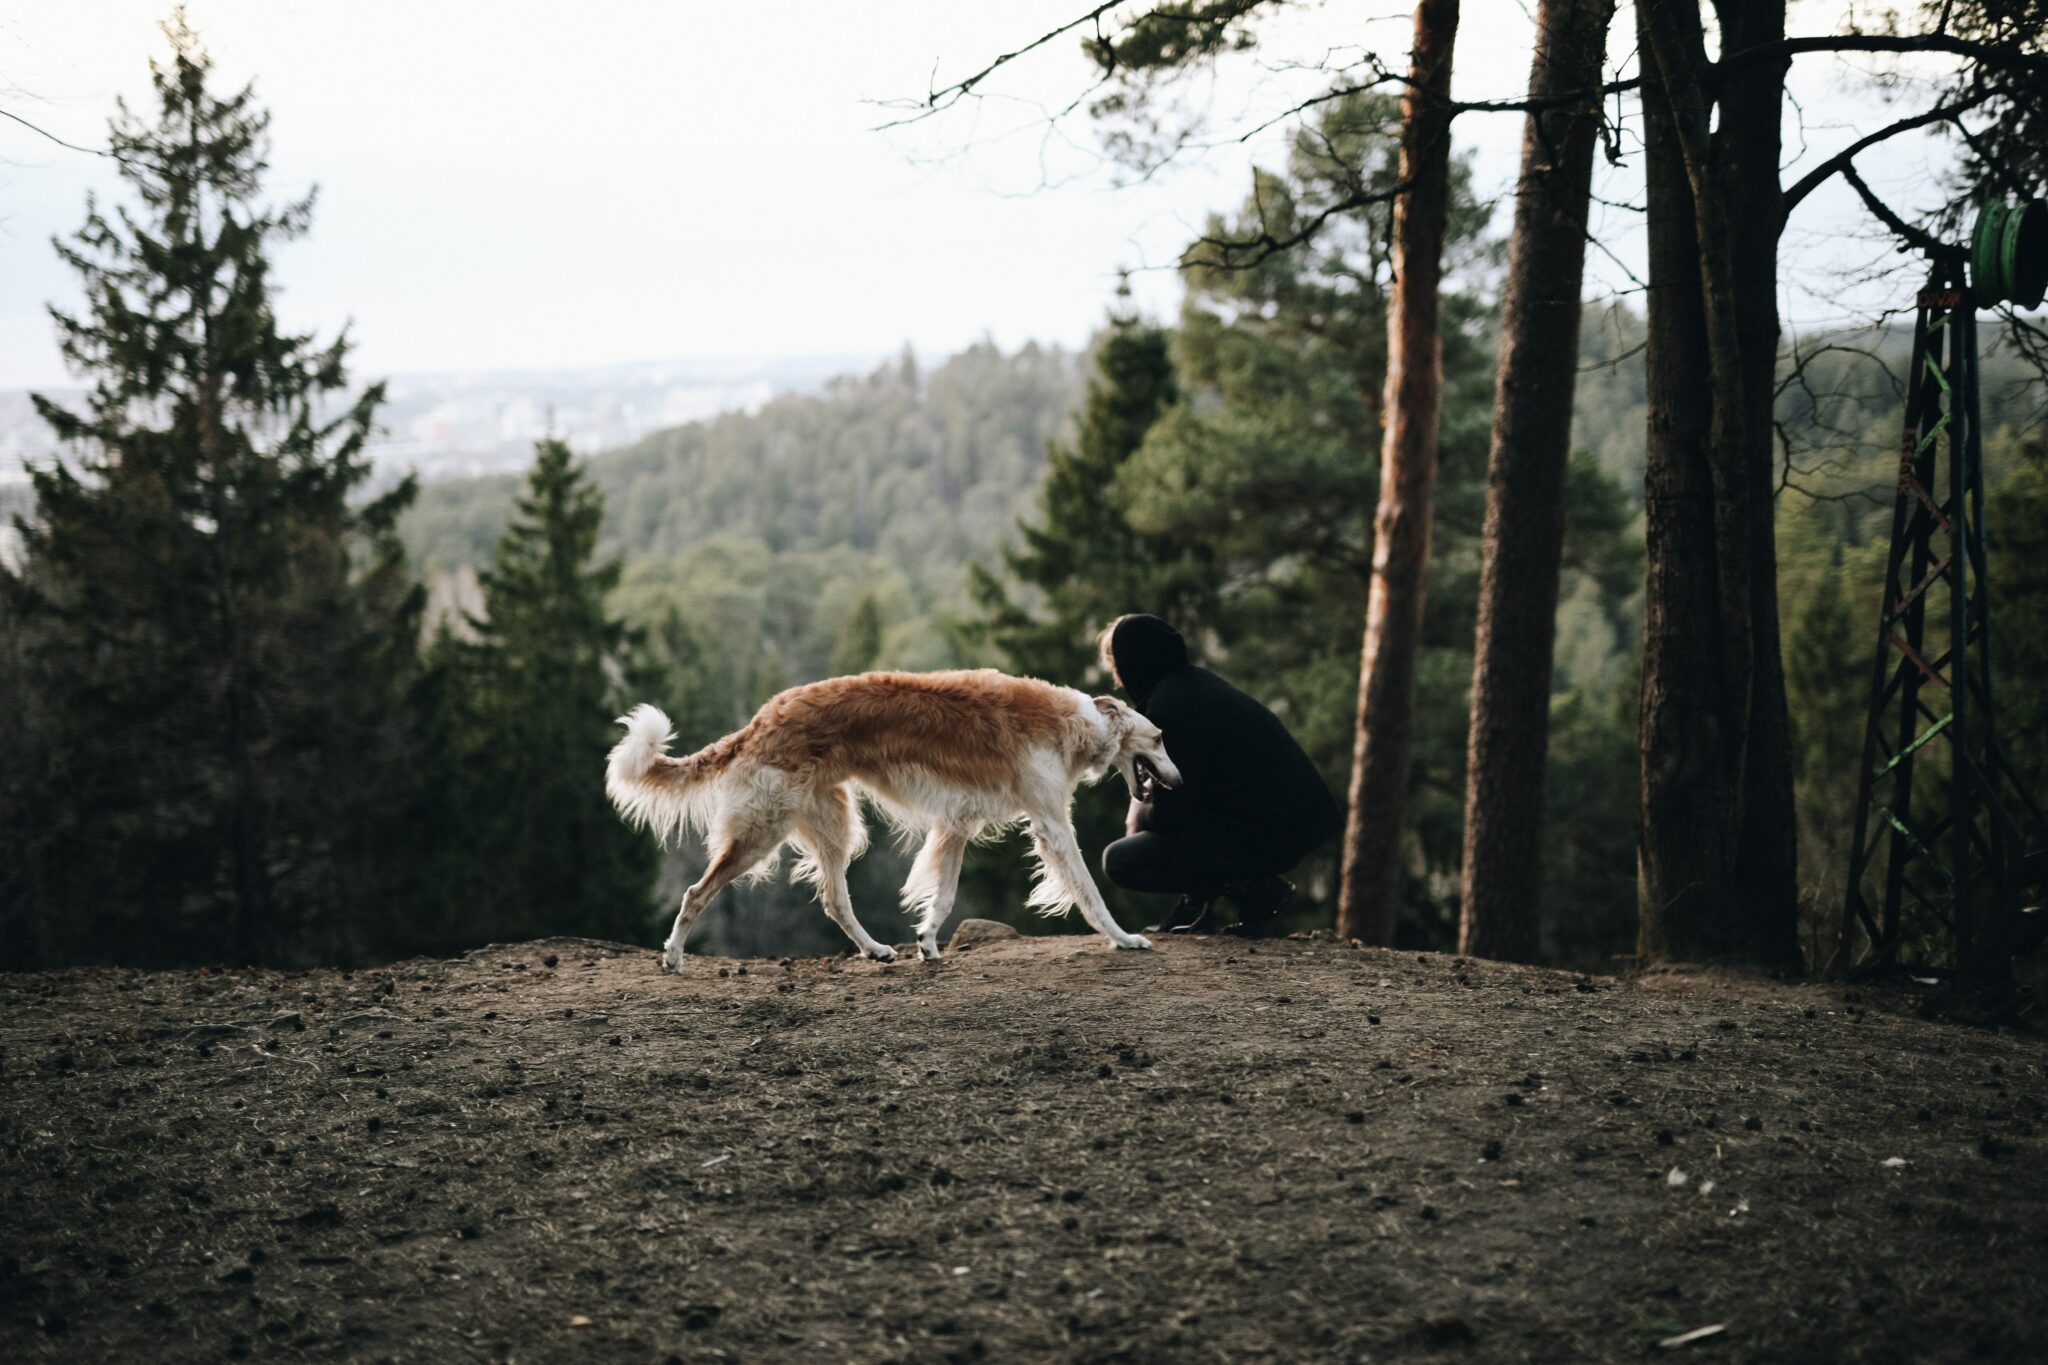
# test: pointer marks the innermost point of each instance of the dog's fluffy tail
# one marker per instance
(649, 788)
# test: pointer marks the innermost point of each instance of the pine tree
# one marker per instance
(1082, 558)
(1527, 472)
(532, 846)
(216, 624)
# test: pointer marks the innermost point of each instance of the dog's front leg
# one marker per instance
(1060, 851)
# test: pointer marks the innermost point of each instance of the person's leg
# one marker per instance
(1148, 862)
(1186, 863)
(1198, 869)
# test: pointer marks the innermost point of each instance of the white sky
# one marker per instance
(513, 185)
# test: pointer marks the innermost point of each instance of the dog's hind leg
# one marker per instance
(828, 834)
(929, 890)
(732, 857)
(1066, 880)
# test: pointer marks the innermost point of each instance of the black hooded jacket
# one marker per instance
(1244, 779)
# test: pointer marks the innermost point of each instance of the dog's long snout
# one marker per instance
(1164, 774)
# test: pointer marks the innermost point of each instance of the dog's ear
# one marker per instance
(1114, 711)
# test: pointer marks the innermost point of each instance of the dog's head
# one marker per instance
(1140, 752)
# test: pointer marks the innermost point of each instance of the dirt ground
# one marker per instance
(1036, 1149)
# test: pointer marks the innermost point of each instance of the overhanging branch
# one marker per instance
(946, 97)
(1813, 179)
(1918, 238)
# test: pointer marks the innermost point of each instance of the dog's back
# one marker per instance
(966, 727)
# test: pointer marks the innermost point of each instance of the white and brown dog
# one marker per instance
(951, 756)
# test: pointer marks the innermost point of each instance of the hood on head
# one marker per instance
(1142, 650)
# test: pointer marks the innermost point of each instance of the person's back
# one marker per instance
(1250, 803)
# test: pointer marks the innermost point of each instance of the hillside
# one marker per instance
(1035, 1149)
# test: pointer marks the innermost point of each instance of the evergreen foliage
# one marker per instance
(215, 625)
(526, 840)
(1081, 560)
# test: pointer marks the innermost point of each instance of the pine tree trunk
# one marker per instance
(1369, 895)
(1525, 480)
(1716, 861)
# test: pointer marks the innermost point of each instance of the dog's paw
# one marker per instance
(1135, 942)
(883, 953)
(928, 951)
(672, 958)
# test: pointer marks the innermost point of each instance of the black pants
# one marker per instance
(1184, 864)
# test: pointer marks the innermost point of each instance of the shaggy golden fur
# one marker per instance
(949, 756)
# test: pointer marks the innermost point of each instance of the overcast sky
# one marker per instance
(514, 185)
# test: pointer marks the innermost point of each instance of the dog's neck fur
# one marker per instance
(1097, 739)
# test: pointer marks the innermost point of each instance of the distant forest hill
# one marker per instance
(880, 488)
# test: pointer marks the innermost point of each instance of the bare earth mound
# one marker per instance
(1035, 1149)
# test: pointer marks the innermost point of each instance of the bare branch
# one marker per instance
(948, 96)
(1989, 54)
(1538, 104)
(1263, 245)
(1917, 238)
(70, 146)
(1813, 179)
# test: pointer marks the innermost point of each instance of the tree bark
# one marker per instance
(1716, 861)
(1369, 894)
(1524, 536)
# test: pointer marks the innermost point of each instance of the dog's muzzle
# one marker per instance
(1148, 776)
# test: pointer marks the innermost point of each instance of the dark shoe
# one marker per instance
(1186, 917)
(1259, 901)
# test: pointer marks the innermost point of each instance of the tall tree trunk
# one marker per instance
(1369, 896)
(1716, 859)
(1525, 479)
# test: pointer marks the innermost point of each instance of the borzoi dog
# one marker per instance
(951, 756)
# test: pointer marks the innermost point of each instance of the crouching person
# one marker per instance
(1250, 805)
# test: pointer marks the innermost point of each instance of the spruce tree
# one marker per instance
(216, 623)
(1081, 559)
(532, 845)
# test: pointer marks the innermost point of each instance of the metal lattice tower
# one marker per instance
(1957, 844)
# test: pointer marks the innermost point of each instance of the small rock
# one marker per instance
(974, 932)
(294, 1022)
